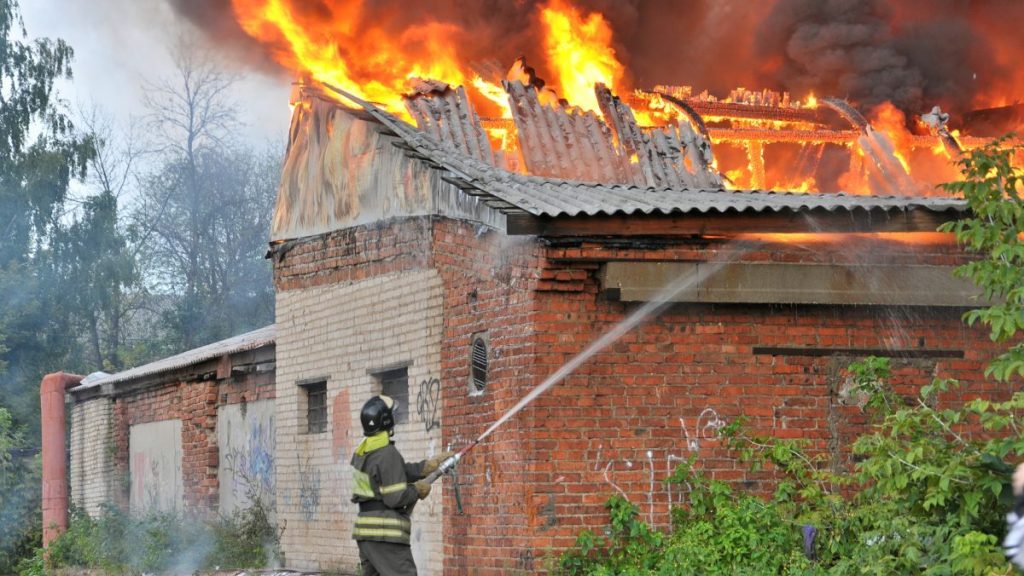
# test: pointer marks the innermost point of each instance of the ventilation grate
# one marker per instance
(478, 364)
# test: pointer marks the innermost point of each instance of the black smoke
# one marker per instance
(914, 54)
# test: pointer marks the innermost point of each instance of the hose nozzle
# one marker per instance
(443, 467)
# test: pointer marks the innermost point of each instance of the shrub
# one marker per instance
(116, 542)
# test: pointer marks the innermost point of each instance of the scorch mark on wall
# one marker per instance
(342, 427)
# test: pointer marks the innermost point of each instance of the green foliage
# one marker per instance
(246, 539)
(992, 186)
(118, 543)
(91, 255)
(39, 156)
(719, 532)
(20, 490)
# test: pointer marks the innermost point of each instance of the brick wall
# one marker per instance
(195, 403)
(621, 422)
(92, 478)
(627, 417)
(350, 304)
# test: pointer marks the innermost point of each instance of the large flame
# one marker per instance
(777, 142)
(334, 44)
(580, 54)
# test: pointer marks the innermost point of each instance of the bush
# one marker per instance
(20, 495)
(118, 543)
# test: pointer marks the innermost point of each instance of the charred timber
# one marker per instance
(749, 112)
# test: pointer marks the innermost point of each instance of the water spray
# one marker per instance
(617, 331)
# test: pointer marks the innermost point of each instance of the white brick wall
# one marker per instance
(344, 333)
(92, 454)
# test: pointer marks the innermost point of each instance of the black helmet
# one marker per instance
(378, 415)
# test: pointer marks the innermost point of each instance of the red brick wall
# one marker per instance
(195, 403)
(489, 281)
(625, 418)
(353, 254)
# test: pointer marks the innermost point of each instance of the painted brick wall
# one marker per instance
(343, 333)
(625, 419)
(92, 454)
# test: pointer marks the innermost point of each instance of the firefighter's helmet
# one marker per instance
(378, 415)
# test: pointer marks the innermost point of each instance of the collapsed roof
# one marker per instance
(351, 166)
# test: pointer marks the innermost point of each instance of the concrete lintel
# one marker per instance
(787, 283)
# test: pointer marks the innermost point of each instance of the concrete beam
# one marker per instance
(783, 283)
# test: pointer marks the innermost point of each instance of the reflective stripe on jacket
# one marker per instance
(382, 485)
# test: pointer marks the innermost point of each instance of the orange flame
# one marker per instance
(580, 53)
(494, 93)
(348, 52)
(892, 121)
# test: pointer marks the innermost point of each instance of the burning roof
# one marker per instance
(394, 169)
(906, 79)
(430, 63)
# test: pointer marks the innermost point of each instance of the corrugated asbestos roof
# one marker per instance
(550, 197)
(233, 345)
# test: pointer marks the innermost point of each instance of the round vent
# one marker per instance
(478, 364)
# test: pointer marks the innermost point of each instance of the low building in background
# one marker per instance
(192, 433)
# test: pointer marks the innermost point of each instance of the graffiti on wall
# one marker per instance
(661, 463)
(252, 464)
(428, 403)
(247, 442)
(309, 489)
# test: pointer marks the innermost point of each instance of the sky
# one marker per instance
(121, 43)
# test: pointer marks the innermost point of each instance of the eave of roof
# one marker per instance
(249, 341)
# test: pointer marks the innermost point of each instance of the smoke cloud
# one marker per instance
(915, 53)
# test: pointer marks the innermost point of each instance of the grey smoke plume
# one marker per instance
(915, 53)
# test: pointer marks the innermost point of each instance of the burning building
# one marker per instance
(408, 260)
(455, 261)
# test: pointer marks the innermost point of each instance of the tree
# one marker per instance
(206, 210)
(992, 185)
(95, 268)
(39, 155)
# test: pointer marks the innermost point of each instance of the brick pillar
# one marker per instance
(55, 481)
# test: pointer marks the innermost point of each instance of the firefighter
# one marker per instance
(1013, 543)
(386, 488)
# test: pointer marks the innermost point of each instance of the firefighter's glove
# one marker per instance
(431, 464)
(422, 488)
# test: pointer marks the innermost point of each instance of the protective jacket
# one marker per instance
(383, 489)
